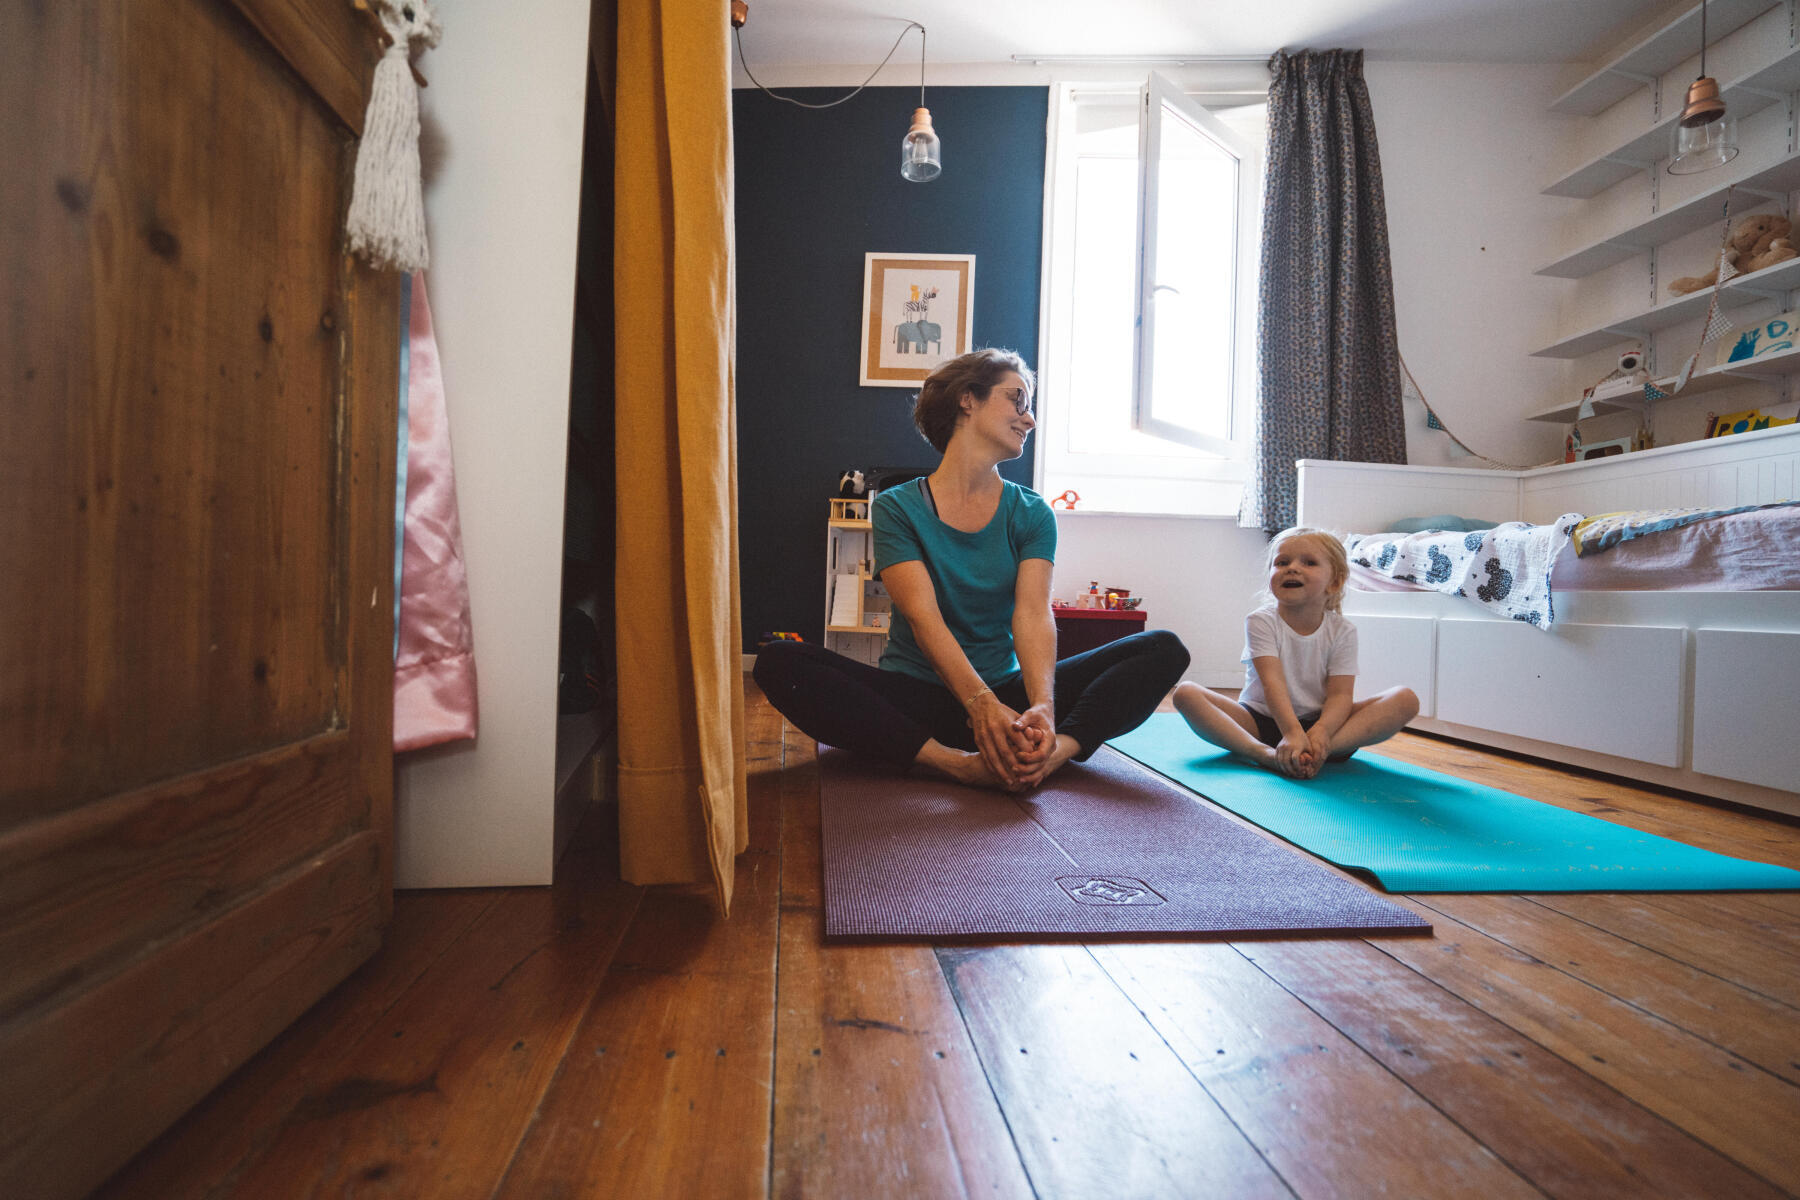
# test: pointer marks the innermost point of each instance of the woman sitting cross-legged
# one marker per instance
(969, 683)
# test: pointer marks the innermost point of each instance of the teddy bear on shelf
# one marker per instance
(1757, 242)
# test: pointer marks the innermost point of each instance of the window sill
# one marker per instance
(1156, 516)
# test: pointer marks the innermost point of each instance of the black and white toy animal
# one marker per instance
(851, 484)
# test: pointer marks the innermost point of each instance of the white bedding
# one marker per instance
(1504, 570)
(1757, 550)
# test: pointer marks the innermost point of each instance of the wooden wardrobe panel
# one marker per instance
(197, 439)
(174, 536)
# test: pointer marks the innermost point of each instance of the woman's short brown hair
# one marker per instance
(939, 402)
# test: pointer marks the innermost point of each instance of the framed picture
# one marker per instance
(1591, 450)
(917, 313)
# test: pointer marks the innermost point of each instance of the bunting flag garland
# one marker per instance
(1410, 388)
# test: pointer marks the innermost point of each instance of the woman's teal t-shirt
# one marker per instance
(974, 574)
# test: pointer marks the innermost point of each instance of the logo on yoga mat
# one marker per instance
(1108, 889)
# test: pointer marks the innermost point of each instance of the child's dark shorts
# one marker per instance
(1269, 733)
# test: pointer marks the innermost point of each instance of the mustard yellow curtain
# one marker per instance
(681, 694)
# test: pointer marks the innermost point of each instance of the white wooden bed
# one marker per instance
(1692, 690)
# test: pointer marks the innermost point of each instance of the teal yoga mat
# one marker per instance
(1418, 830)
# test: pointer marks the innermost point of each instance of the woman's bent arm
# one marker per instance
(909, 585)
(1034, 641)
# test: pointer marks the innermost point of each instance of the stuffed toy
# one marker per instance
(1757, 242)
(852, 484)
(386, 222)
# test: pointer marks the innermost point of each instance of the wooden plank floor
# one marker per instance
(597, 1039)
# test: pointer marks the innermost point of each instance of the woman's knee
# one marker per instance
(1167, 649)
(778, 663)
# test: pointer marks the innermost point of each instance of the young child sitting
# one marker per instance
(1296, 712)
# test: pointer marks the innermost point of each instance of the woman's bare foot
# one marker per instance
(963, 766)
(1061, 751)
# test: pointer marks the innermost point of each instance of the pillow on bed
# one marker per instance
(1446, 522)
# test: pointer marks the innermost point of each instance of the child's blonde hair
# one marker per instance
(1331, 547)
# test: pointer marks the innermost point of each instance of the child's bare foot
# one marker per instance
(1266, 758)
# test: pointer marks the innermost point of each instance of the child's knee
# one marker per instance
(1406, 701)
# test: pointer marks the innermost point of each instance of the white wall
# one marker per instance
(503, 120)
(1464, 149)
(1197, 576)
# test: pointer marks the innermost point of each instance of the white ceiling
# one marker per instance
(814, 33)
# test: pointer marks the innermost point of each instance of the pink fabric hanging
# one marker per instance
(434, 673)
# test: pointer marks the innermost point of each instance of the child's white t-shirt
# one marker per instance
(1305, 660)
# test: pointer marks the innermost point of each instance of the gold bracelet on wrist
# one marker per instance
(986, 691)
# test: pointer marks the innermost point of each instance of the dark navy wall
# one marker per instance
(816, 190)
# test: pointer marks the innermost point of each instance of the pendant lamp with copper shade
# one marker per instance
(1705, 137)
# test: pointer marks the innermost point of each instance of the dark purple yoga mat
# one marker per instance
(1105, 847)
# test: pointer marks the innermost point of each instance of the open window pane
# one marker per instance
(1190, 187)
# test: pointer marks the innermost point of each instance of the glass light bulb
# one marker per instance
(921, 159)
(1703, 147)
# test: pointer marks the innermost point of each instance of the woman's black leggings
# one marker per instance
(1100, 694)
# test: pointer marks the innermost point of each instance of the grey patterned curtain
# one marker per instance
(1327, 352)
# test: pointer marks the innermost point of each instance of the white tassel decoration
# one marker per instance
(386, 224)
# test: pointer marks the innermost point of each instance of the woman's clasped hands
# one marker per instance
(1014, 746)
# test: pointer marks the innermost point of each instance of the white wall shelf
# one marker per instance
(1618, 397)
(849, 563)
(1697, 213)
(1745, 289)
(1743, 97)
(1564, 413)
(1656, 53)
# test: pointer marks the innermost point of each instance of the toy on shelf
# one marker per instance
(1067, 500)
(849, 510)
(1741, 422)
(1756, 242)
(1772, 336)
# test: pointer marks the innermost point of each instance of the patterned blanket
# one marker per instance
(1504, 570)
(1607, 530)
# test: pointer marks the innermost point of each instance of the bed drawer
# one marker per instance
(1607, 688)
(1744, 687)
(1396, 651)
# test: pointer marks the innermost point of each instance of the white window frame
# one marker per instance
(1155, 98)
(1196, 485)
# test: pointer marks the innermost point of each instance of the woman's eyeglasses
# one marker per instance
(1020, 398)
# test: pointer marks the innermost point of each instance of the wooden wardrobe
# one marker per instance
(197, 438)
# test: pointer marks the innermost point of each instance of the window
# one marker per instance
(1148, 360)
